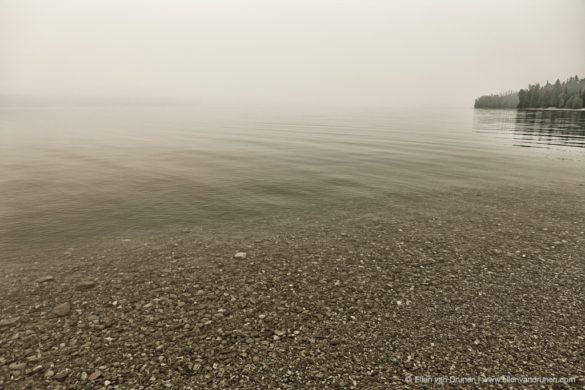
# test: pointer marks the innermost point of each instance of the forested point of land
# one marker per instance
(567, 94)
(502, 100)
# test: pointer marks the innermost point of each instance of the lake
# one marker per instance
(70, 175)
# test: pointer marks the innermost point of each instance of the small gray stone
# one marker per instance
(9, 322)
(45, 279)
(62, 309)
(96, 374)
(240, 255)
(86, 285)
(17, 366)
(61, 375)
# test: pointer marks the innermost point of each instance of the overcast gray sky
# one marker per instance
(382, 52)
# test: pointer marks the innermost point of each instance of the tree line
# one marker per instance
(566, 94)
(502, 100)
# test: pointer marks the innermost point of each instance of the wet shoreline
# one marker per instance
(463, 283)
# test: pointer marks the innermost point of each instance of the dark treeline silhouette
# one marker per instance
(503, 100)
(566, 94)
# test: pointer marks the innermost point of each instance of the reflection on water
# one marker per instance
(534, 128)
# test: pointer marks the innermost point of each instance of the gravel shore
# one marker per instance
(461, 284)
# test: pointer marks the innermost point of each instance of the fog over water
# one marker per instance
(327, 52)
(285, 107)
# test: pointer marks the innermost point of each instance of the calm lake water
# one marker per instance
(69, 174)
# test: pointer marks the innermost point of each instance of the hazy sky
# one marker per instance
(381, 52)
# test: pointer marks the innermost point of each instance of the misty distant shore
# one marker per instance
(552, 109)
(569, 94)
(532, 109)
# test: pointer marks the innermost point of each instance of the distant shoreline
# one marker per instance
(532, 109)
(552, 109)
(569, 94)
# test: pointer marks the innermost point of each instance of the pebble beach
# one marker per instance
(466, 284)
